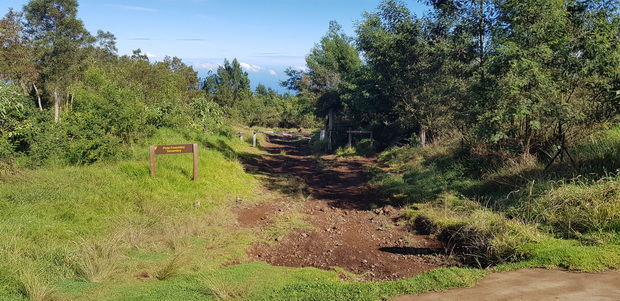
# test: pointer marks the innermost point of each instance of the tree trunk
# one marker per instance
(422, 136)
(36, 91)
(528, 137)
(330, 129)
(56, 106)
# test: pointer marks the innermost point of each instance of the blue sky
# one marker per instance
(265, 36)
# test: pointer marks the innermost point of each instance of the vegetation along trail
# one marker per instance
(352, 230)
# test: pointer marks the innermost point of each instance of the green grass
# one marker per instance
(248, 282)
(95, 223)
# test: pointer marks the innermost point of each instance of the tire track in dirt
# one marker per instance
(353, 228)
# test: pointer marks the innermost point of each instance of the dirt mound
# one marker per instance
(353, 229)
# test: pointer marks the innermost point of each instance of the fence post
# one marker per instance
(349, 131)
(152, 155)
(195, 151)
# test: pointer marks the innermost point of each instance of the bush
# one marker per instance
(211, 115)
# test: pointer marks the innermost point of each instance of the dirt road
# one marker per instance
(353, 228)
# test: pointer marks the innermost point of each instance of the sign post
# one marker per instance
(174, 149)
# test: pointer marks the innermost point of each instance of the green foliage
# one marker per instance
(35, 288)
(331, 63)
(95, 261)
(60, 41)
(14, 109)
(229, 85)
(211, 115)
(596, 153)
(426, 173)
(571, 255)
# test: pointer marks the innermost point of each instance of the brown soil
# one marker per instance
(534, 284)
(353, 228)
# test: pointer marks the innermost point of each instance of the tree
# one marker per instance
(332, 65)
(59, 39)
(104, 48)
(555, 63)
(16, 55)
(187, 73)
(229, 85)
(399, 57)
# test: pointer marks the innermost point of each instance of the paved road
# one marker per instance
(533, 284)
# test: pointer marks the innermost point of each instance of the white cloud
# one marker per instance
(301, 68)
(207, 66)
(150, 55)
(251, 68)
(273, 72)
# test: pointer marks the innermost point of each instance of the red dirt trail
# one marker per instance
(353, 228)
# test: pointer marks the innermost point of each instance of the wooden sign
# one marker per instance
(174, 149)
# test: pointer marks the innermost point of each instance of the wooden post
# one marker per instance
(350, 138)
(330, 129)
(152, 152)
(195, 151)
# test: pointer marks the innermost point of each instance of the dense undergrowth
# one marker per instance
(516, 211)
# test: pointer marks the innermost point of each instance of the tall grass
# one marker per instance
(96, 260)
(478, 235)
(577, 208)
(35, 287)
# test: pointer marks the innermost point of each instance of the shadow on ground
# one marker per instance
(341, 181)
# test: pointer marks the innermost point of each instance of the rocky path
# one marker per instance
(352, 228)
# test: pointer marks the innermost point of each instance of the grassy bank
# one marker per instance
(514, 213)
(97, 230)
